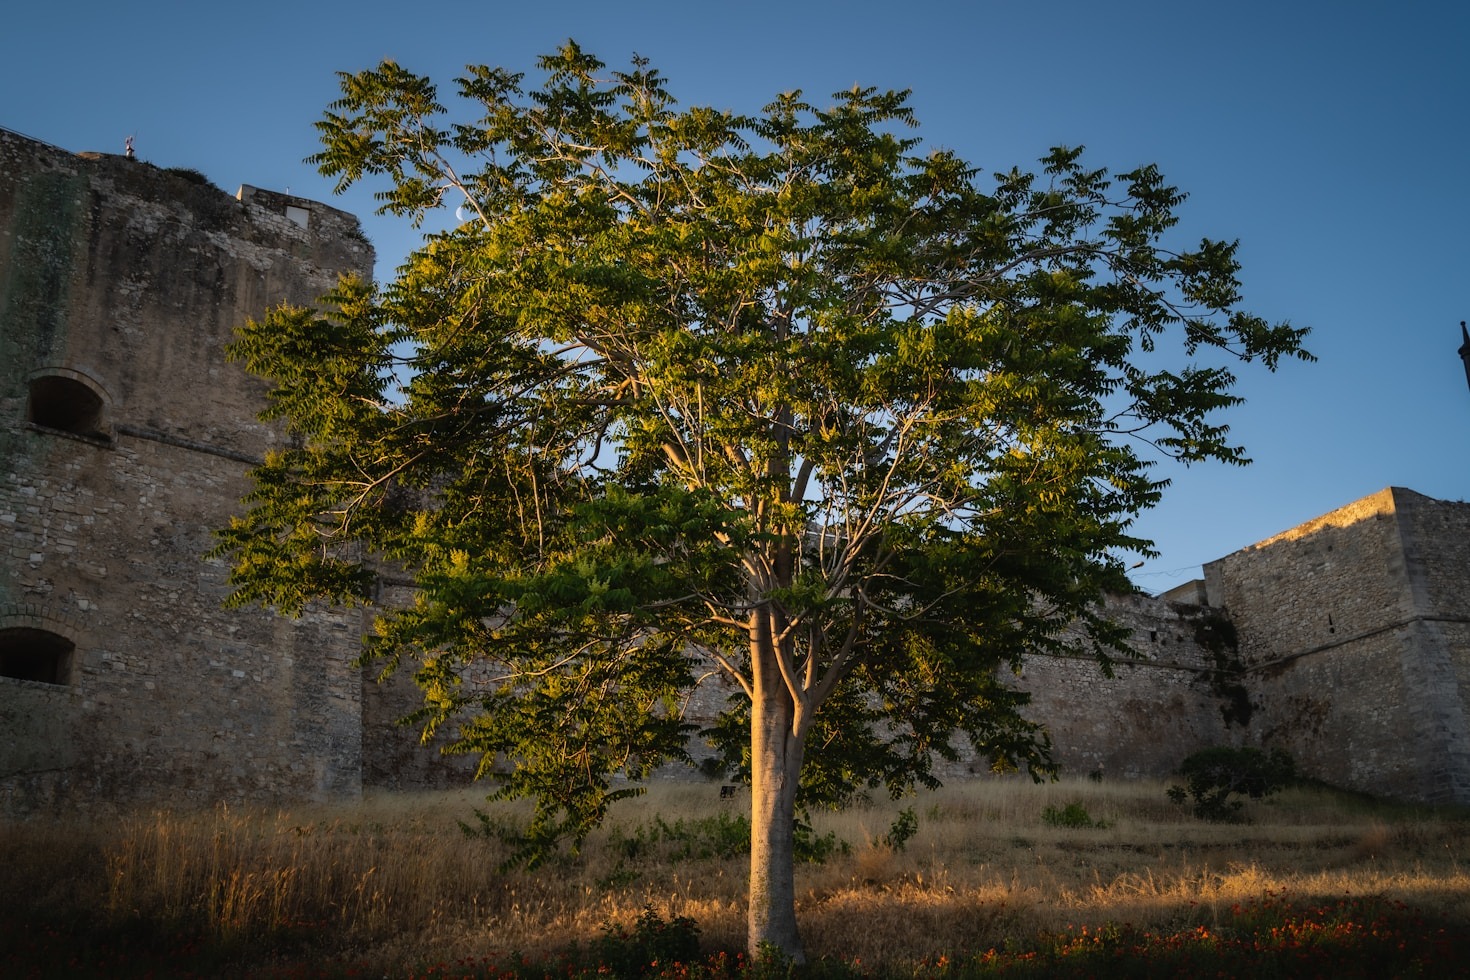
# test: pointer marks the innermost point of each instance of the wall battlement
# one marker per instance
(126, 438)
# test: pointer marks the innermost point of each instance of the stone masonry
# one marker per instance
(126, 437)
(1345, 641)
(1355, 636)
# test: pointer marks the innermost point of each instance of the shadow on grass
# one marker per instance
(139, 947)
(1270, 937)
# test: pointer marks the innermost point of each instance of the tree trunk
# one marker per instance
(775, 764)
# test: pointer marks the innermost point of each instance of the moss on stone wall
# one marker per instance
(1216, 634)
(36, 286)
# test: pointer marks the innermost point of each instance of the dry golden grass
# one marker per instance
(396, 880)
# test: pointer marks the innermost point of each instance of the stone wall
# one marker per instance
(1356, 632)
(1344, 641)
(1436, 536)
(125, 438)
(1174, 696)
(120, 285)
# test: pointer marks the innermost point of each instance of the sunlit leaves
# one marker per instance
(697, 391)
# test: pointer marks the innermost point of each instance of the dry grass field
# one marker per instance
(396, 882)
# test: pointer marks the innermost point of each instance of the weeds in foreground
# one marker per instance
(1273, 937)
(986, 884)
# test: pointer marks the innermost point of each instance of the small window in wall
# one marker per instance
(63, 403)
(35, 655)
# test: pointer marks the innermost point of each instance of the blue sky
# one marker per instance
(1331, 139)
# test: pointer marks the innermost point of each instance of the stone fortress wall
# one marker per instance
(1355, 634)
(126, 437)
(1344, 641)
(1171, 698)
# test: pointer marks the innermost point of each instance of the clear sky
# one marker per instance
(1330, 138)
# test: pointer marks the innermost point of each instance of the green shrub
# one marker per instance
(1213, 777)
(649, 947)
(808, 846)
(1073, 816)
(723, 835)
(902, 830)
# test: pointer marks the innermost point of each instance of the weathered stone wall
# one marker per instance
(1344, 641)
(129, 280)
(125, 437)
(1174, 696)
(1337, 576)
(1354, 628)
(1436, 537)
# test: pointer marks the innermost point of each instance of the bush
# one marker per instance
(1073, 816)
(902, 830)
(721, 836)
(1212, 777)
(813, 848)
(649, 946)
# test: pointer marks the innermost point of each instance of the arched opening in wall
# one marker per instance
(29, 654)
(68, 405)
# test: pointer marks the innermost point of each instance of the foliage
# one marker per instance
(902, 830)
(1213, 776)
(810, 847)
(651, 944)
(1216, 633)
(782, 399)
(190, 174)
(717, 836)
(1073, 816)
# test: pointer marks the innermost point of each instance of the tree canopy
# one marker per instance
(785, 398)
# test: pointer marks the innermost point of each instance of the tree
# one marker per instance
(1212, 776)
(779, 396)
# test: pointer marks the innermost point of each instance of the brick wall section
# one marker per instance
(133, 278)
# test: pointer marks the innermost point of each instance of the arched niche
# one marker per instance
(67, 400)
(28, 653)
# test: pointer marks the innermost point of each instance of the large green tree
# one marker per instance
(779, 397)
